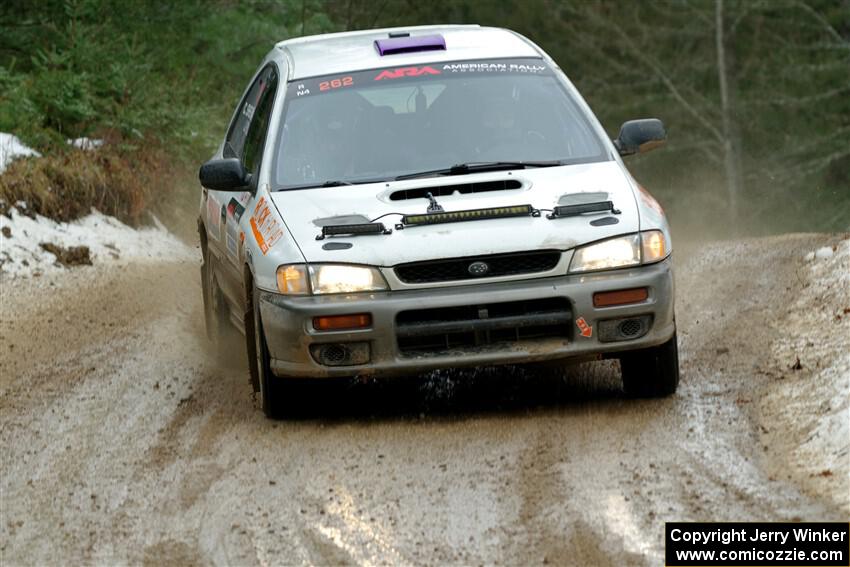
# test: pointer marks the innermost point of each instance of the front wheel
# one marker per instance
(279, 396)
(270, 388)
(651, 372)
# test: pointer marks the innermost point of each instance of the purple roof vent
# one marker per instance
(408, 44)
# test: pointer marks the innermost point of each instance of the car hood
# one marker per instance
(305, 211)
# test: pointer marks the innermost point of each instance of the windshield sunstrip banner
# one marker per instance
(417, 73)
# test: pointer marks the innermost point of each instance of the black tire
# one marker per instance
(215, 320)
(651, 372)
(272, 390)
(280, 397)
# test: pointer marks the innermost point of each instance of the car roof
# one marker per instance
(346, 52)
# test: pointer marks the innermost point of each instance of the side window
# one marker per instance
(256, 136)
(261, 93)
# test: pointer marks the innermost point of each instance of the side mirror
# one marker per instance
(639, 136)
(226, 174)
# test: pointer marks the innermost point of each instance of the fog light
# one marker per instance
(625, 329)
(342, 322)
(620, 297)
(341, 354)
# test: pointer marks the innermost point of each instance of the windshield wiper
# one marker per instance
(481, 166)
(331, 183)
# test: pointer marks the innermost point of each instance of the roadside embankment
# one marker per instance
(31, 245)
(805, 412)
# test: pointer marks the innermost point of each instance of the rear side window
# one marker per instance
(248, 132)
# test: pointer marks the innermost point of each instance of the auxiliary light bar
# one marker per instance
(468, 215)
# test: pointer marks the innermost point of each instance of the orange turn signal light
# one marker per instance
(620, 297)
(342, 322)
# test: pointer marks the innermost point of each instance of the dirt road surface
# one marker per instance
(126, 440)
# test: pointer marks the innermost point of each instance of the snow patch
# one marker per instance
(10, 148)
(823, 253)
(85, 143)
(108, 239)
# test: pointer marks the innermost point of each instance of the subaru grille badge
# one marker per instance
(478, 269)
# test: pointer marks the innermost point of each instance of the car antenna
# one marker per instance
(433, 206)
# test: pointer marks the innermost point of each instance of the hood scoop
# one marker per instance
(576, 204)
(462, 188)
(582, 198)
(341, 219)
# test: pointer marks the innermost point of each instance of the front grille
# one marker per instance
(459, 268)
(430, 331)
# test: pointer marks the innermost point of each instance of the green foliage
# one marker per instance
(17, 112)
(133, 72)
(145, 73)
(62, 97)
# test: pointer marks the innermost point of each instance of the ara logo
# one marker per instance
(406, 72)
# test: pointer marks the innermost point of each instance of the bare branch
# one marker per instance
(825, 25)
(803, 100)
(655, 66)
(698, 14)
(823, 162)
(665, 79)
(747, 9)
(378, 13)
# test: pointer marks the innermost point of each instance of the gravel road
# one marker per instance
(125, 440)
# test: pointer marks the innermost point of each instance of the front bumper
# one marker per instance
(287, 322)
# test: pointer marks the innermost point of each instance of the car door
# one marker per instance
(245, 140)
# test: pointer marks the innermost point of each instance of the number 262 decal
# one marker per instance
(336, 83)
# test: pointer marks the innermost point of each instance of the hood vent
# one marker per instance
(464, 189)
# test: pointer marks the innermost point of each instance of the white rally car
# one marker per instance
(392, 201)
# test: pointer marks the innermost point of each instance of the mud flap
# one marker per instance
(250, 337)
(209, 309)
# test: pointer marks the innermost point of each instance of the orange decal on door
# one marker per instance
(265, 227)
(261, 242)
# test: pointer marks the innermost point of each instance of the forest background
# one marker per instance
(755, 95)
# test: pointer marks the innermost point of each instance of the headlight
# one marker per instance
(613, 253)
(300, 279)
(342, 278)
(630, 250)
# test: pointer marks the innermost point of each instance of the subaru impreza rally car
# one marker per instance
(392, 201)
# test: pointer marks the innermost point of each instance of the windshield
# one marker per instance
(384, 123)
